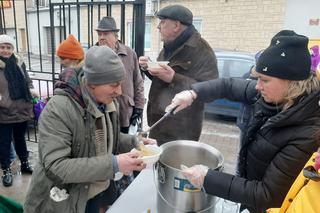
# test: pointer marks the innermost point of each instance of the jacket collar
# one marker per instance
(121, 49)
(191, 42)
(305, 107)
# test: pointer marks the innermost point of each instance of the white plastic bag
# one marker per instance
(133, 129)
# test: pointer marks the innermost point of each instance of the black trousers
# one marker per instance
(15, 131)
(107, 197)
(124, 130)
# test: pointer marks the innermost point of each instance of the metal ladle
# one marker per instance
(144, 134)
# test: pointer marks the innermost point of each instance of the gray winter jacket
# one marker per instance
(273, 156)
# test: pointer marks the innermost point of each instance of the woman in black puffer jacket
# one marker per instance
(280, 137)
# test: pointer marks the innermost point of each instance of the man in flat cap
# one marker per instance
(80, 142)
(131, 101)
(191, 60)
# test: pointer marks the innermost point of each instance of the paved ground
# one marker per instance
(221, 134)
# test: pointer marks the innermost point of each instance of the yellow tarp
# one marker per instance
(313, 42)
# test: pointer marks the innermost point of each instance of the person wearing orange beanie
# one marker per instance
(70, 53)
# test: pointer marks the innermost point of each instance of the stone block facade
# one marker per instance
(245, 25)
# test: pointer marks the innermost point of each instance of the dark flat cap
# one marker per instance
(176, 12)
(107, 24)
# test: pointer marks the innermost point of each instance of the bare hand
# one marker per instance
(143, 62)
(165, 72)
(129, 162)
(149, 141)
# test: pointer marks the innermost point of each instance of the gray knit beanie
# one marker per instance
(103, 66)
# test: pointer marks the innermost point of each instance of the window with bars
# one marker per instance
(197, 23)
(41, 3)
(147, 35)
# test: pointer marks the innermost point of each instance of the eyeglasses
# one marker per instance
(8, 47)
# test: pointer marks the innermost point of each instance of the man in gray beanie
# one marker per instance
(191, 60)
(97, 71)
(80, 142)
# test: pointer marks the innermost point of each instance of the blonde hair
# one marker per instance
(296, 89)
(77, 64)
(299, 88)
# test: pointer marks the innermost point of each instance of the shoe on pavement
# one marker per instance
(26, 168)
(7, 177)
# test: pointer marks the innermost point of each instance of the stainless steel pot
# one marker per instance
(175, 193)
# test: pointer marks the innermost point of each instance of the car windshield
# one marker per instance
(235, 68)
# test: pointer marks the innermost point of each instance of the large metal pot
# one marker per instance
(175, 193)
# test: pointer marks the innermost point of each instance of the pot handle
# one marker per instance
(219, 168)
(161, 173)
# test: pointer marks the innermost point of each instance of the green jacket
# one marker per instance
(70, 155)
(8, 205)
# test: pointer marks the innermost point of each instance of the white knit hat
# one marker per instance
(6, 39)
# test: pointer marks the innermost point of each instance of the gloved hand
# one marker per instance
(129, 162)
(182, 100)
(195, 174)
(136, 115)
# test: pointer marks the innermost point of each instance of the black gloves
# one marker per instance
(136, 115)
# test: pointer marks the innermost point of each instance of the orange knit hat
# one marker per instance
(71, 49)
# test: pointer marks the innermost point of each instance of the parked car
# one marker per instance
(230, 64)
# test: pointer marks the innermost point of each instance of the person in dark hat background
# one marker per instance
(191, 60)
(280, 137)
(131, 102)
(132, 99)
(80, 145)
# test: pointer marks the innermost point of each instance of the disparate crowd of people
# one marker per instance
(83, 130)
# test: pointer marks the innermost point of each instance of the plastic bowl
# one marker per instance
(152, 159)
(156, 64)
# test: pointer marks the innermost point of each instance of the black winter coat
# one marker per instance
(273, 155)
